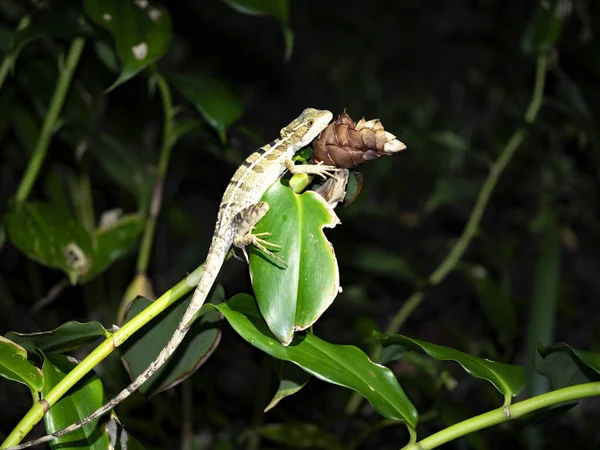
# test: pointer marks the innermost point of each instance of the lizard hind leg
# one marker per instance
(246, 221)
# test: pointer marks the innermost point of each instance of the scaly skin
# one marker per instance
(239, 211)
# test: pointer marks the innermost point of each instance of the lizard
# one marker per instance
(239, 211)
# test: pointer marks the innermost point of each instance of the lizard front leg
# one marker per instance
(311, 169)
(246, 221)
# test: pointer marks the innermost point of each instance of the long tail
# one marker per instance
(213, 264)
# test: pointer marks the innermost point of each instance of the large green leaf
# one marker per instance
(219, 106)
(14, 366)
(300, 435)
(141, 31)
(343, 365)
(113, 241)
(566, 366)
(200, 342)
(293, 298)
(291, 380)
(79, 402)
(67, 337)
(49, 235)
(508, 379)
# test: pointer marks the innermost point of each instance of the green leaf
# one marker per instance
(291, 380)
(141, 31)
(545, 29)
(566, 366)
(113, 241)
(200, 342)
(507, 379)
(294, 298)
(219, 106)
(49, 235)
(300, 435)
(14, 366)
(46, 23)
(343, 365)
(79, 402)
(67, 337)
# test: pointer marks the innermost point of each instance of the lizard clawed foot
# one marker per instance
(318, 169)
(261, 244)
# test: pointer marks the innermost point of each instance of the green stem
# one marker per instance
(49, 125)
(457, 251)
(155, 203)
(501, 415)
(7, 64)
(36, 413)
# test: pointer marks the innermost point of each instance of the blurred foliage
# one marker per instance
(450, 79)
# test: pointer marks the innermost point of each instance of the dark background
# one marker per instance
(451, 80)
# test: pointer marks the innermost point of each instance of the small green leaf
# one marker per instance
(295, 297)
(291, 380)
(79, 402)
(14, 366)
(566, 366)
(507, 379)
(49, 235)
(343, 365)
(545, 29)
(141, 31)
(219, 106)
(67, 337)
(113, 241)
(300, 435)
(200, 342)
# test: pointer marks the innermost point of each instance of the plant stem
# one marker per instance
(155, 203)
(36, 413)
(472, 226)
(49, 125)
(7, 64)
(501, 415)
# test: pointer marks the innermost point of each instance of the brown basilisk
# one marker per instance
(240, 210)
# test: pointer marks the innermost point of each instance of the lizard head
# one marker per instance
(306, 126)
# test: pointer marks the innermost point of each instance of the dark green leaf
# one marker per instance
(141, 31)
(545, 30)
(67, 337)
(291, 380)
(300, 435)
(508, 379)
(49, 235)
(14, 366)
(79, 402)
(295, 297)
(113, 241)
(202, 339)
(219, 106)
(343, 365)
(566, 366)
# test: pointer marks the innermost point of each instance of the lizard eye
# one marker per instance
(310, 123)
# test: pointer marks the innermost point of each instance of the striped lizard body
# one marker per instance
(239, 211)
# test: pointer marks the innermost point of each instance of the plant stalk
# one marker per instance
(472, 226)
(49, 126)
(155, 203)
(505, 414)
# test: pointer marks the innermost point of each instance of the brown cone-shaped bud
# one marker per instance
(346, 144)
